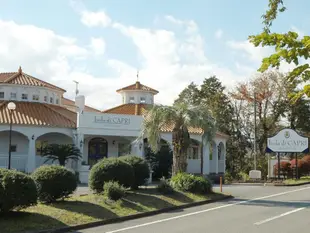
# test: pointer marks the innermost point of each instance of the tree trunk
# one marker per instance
(62, 162)
(180, 140)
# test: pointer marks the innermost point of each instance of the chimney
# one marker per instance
(80, 103)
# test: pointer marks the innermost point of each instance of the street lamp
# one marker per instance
(11, 107)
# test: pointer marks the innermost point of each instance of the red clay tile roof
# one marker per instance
(70, 104)
(137, 86)
(38, 114)
(21, 78)
(140, 109)
(128, 109)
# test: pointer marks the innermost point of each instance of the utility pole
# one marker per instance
(76, 87)
(255, 146)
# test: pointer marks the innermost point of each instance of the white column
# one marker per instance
(31, 161)
(206, 157)
(80, 144)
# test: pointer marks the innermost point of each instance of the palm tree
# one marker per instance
(181, 117)
(62, 153)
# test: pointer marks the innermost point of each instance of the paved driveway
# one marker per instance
(255, 209)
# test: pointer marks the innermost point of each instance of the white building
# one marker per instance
(43, 116)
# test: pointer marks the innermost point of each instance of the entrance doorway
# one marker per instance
(97, 149)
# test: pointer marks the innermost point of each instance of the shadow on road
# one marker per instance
(270, 203)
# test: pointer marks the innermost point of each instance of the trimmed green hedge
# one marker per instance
(111, 169)
(190, 183)
(17, 190)
(54, 182)
(140, 168)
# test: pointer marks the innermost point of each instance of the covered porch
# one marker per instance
(27, 144)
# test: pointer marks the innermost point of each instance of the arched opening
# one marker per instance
(193, 152)
(97, 149)
(19, 150)
(47, 139)
(212, 156)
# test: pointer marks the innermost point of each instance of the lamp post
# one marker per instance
(11, 106)
(255, 131)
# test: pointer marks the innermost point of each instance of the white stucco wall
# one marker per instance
(24, 137)
(18, 158)
(149, 97)
(19, 90)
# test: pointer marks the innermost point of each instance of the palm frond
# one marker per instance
(199, 116)
(154, 120)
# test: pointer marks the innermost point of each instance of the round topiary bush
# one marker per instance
(17, 190)
(110, 169)
(190, 183)
(54, 182)
(113, 190)
(140, 168)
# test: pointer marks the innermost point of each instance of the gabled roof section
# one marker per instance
(128, 109)
(20, 78)
(38, 114)
(70, 104)
(138, 87)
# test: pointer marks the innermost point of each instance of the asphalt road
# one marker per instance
(254, 209)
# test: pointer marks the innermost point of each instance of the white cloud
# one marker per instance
(97, 45)
(169, 62)
(190, 25)
(256, 54)
(219, 33)
(95, 19)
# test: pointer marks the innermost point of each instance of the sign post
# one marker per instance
(287, 141)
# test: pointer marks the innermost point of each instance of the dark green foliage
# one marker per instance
(2, 196)
(54, 182)
(164, 186)
(161, 162)
(113, 190)
(228, 179)
(289, 47)
(61, 153)
(111, 169)
(140, 167)
(190, 183)
(17, 190)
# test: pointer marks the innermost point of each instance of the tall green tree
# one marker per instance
(289, 47)
(181, 117)
(212, 93)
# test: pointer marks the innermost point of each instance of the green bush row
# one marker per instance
(191, 183)
(129, 171)
(46, 184)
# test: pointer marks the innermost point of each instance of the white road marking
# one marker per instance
(204, 211)
(279, 216)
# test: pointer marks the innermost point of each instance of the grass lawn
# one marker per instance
(302, 180)
(84, 209)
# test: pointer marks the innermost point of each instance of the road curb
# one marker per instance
(291, 185)
(131, 217)
(248, 184)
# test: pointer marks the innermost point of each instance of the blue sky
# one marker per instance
(222, 30)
